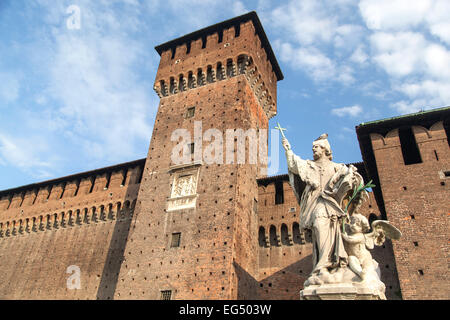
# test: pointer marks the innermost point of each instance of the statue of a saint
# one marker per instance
(320, 186)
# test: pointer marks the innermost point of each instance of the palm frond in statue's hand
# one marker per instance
(356, 192)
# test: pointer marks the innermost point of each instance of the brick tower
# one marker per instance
(408, 157)
(193, 230)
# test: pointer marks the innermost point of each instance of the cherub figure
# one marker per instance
(359, 258)
(358, 240)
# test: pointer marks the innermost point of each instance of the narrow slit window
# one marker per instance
(50, 188)
(92, 185)
(204, 42)
(63, 189)
(279, 192)
(78, 188)
(188, 47)
(124, 179)
(410, 150)
(237, 30)
(108, 180)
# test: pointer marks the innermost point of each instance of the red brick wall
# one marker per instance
(39, 241)
(416, 200)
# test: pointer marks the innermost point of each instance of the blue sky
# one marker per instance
(73, 100)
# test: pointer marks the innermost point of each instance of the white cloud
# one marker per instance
(94, 81)
(315, 38)
(24, 153)
(308, 59)
(437, 61)
(307, 22)
(399, 54)
(422, 95)
(352, 111)
(402, 15)
(393, 15)
(359, 55)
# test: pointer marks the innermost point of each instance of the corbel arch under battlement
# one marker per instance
(437, 126)
(420, 131)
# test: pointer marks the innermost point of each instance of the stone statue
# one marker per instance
(340, 234)
(320, 186)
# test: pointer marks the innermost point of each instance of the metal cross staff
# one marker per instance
(281, 129)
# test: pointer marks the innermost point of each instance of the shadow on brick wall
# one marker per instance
(115, 256)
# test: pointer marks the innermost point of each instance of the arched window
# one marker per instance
(102, 213)
(181, 84)
(230, 68)
(284, 235)
(110, 211)
(163, 88)
(191, 80)
(209, 75)
(62, 219)
(172, 88)
(48, 226)
(55, 221)
(78, 217)
(94, 214)
(262, 237)
(273, 236)
(296, 233)
(220, 73)
(242, 63)
(69, 218)
(200, 77)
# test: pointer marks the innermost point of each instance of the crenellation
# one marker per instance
(228, 35)
(85, 185)
(4, 202)
(16, 200)
(212, 41)
(43, 194)
(56, 191)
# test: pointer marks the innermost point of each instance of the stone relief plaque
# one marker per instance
(184, 189)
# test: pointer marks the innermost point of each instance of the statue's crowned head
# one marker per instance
(323, 142)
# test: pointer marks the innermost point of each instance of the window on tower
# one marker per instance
(175, 240)
(410, 150)
(279, 192)
(190, 112)
(166, 294)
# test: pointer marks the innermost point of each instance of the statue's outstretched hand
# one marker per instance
(286, 144)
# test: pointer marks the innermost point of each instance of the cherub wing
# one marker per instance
(381, 230)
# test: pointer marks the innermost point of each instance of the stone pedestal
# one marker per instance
(341, 291)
